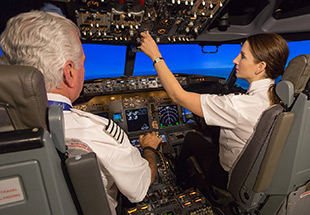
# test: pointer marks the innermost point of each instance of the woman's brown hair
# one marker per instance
(273, 50)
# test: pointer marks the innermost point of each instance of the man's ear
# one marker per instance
(69, 74)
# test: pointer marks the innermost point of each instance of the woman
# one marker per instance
(261, 60)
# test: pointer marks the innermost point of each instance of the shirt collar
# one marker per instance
(259, 85)
(58, 98)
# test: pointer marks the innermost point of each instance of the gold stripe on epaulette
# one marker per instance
(113, 130)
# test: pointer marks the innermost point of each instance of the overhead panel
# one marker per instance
(168, 21)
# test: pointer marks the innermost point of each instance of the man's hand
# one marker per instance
(150, 139)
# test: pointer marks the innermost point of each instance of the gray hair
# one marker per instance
(43, 40)
(3, 60)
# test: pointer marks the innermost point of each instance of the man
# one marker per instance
(50, 43)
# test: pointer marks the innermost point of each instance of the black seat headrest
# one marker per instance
(23, 96)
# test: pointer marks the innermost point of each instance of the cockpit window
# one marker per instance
(104, 61)
(189, 59)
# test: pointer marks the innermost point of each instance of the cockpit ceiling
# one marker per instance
(291, 8)
(176, 21)
(290, 18)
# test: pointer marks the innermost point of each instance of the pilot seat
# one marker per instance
(38, 175)
(272, 173)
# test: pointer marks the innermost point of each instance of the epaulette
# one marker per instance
(115, 131)
(111, 128)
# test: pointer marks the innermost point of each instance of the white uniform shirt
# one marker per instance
(121, 163)
(237, 116)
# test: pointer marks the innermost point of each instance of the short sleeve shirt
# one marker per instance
(121, 164)
(237, 116)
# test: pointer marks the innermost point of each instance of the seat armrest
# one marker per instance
(86, 179)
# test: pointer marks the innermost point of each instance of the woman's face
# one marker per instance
(245, 65)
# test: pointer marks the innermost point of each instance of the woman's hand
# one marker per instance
(149, 46)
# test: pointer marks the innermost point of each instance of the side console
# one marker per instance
(173, 201)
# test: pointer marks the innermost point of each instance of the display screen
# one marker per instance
(168, 115)
(187, 116)
(137, 119)
(117, 117)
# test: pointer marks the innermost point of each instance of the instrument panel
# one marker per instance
(126, 84)
(137, 113)
(141, 107)
(121, 21)
(138, 105)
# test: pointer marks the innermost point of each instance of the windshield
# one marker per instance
(106, 61)
(190, 59)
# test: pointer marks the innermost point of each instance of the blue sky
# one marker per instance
(109, 60)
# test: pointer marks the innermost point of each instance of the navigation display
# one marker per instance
(137, 119)
(187, 116)
(168, 115)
